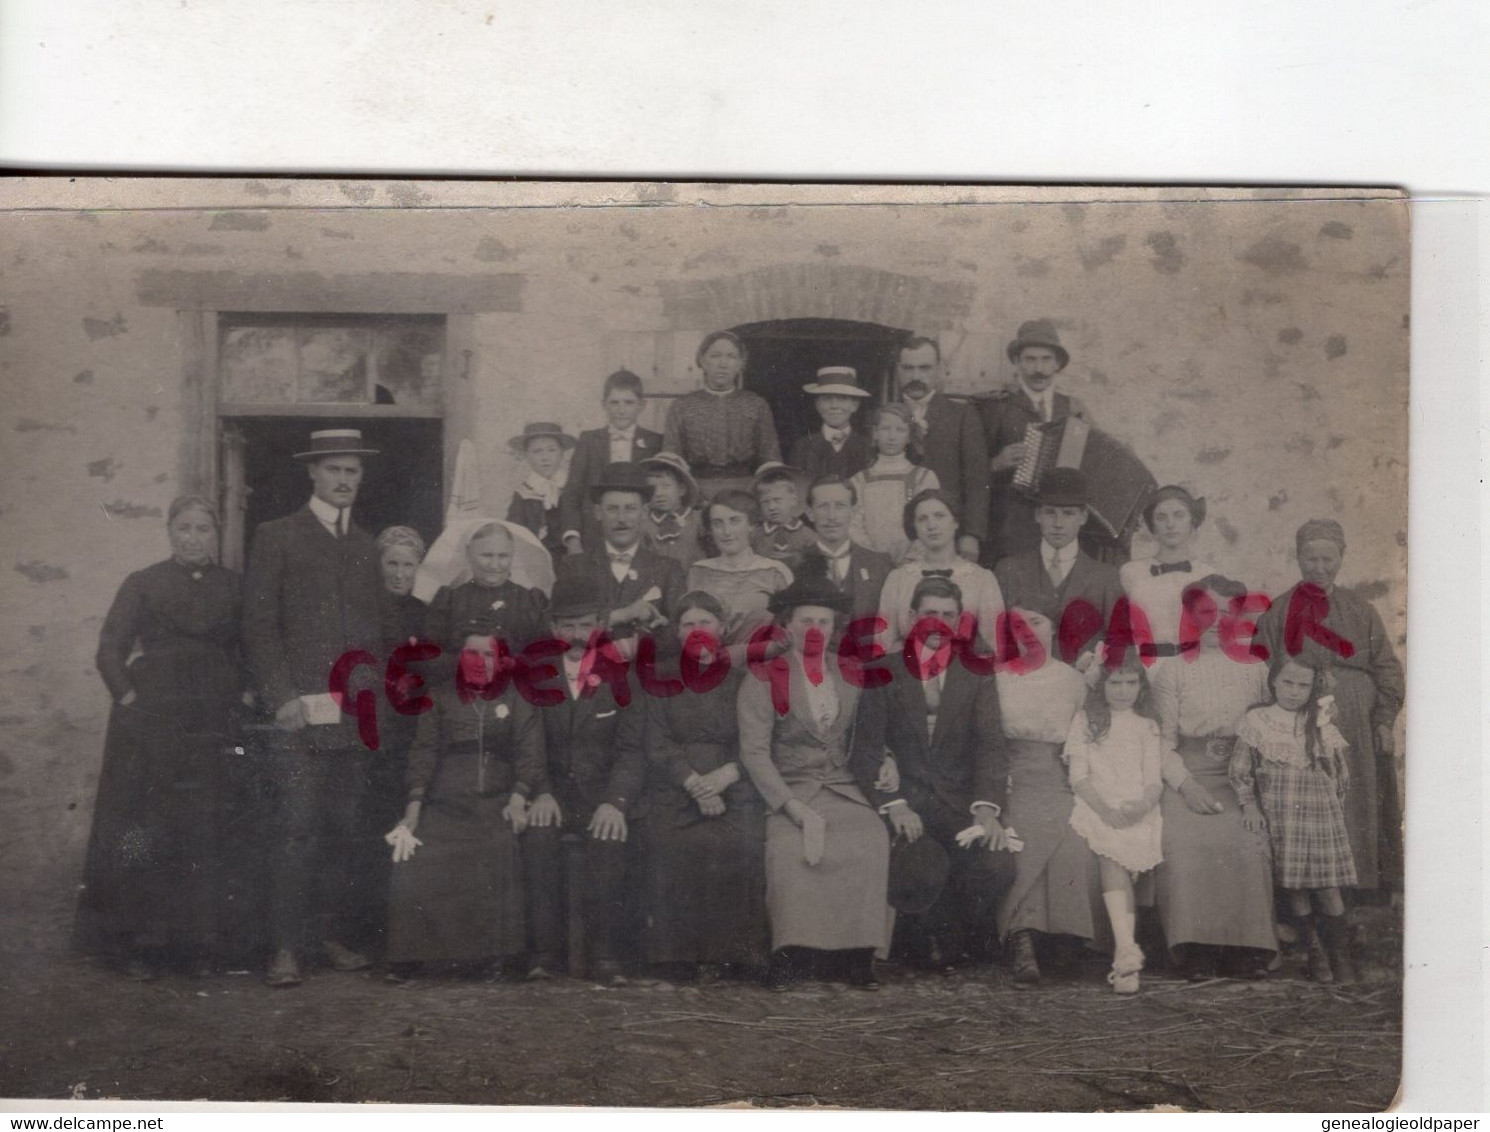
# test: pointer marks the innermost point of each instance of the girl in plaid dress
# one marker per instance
(1289, 771)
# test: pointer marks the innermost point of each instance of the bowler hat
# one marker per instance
(537, 429)
(621, 477)
(1064, 487)
(677, 465)
(1038, 332)
(836, 381)
(335, 442)
(575, 594)
(811, 586)
(918, 873)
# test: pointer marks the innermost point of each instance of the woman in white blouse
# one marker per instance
(1155, 584)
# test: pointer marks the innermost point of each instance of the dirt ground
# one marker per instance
(969, 1041)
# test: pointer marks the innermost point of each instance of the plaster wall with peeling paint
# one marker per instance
(1256, 351)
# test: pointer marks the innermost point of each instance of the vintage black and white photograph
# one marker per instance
(662, 644)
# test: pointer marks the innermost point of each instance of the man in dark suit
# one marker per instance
(621, 441)
(1058, 574)
(856, 570)
(943, 732)
(313, 591)
(948, 439)
(1038, 355)
(590, 788)
(638, 587)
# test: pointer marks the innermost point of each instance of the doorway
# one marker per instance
(262, 480)
(785, 355)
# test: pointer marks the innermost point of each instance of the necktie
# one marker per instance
(1159, 568)
(1045, 409)
(1056, 571)
(341, 522)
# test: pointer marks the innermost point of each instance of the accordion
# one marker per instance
(1119, 481)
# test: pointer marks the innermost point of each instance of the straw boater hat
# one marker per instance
(1038, 332)
(679, 466)
(836, 381)
(621, 477)
(335, 442)
(537, 429)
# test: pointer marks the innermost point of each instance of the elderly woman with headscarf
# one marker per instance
(488, 570)
(152, 880)
(723, 431)
(1352, 643)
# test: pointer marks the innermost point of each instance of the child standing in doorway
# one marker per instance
(1290, 774)
(1114, 753)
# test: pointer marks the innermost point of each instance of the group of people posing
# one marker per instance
(644, 801)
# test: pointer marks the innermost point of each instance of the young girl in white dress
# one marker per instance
(1114, 752)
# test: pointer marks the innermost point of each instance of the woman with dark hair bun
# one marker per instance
(1154, 585)
(705, 827)
(152, 881)
(724, 431)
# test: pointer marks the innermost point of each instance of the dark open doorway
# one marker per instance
(785, 354)
(402, 485)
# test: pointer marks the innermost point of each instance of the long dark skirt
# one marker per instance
(706, 888)
(459, 899)
(152, 873)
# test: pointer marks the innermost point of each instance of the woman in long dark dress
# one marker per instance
(152, 879)
(706, 898)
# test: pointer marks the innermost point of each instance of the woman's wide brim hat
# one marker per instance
(446, 564)
(335, 442)
(918, 873)
(676, 464)
(811, 586)
(836, 381)
(621, 477)
(538, 430)
(1038, 332)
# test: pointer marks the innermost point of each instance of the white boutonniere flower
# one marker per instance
(863, 574)
(498, 605)
(641, 441)
(631, 575)
(592, 680)
(501, 711)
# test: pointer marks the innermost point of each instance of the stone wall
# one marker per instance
(1252, 350)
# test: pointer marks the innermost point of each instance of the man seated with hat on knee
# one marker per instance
(1038, 358)
(837, 448)
(1057, 574)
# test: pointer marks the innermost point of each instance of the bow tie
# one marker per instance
(791, 528)
(836, 435)
(669, 526)
(621, 435)
(947, 573)
(622, 556)
(1169, 568)
(848, 548)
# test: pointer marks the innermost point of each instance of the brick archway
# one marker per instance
(817, 290)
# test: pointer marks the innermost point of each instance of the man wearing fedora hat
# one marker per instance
(313, 591)
(1038, 357)
(948, 438)
(638, 586)
(836, 448)
(590, 787)
(1057, 573)
(621, 441)
(943, 731)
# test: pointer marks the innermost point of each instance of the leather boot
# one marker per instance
(1336, 933)
(285, 970)
(1319, 961)
(1026, 966)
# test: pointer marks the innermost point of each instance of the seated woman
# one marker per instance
(724, 432)
(152, 879)
(487, 592)
(827, 850)
(1057, 887)
(1215, 885)
(930, 518)
(456, 898)
(741, 579)
(705, 827)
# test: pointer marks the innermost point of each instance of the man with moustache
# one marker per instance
(313, 591)
(637, 586)
(949, 439)
(1039, 357)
